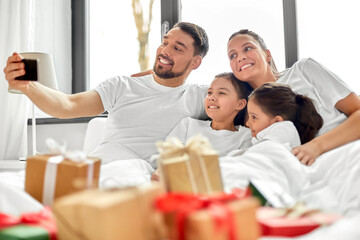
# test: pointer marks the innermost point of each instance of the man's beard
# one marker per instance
(166, 74)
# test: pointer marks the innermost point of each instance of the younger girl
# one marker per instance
(277, 113)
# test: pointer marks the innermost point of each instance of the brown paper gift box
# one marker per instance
(182, 170)
(115, 214)
(68, 174)
(200, 225)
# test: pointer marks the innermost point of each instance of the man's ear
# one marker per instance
(241, 104)
(196, 62)
(278, 118)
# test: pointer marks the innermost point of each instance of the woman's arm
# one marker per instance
(346, 132)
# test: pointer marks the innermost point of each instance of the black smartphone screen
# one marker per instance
(31, 70)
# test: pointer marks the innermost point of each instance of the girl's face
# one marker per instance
(258, 120)
(248, 61)
(222, 102)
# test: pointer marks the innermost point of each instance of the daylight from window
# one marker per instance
(329, 40)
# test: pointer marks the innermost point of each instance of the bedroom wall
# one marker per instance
(72, 133)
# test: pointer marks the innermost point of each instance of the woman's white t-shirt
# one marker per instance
(309, 78)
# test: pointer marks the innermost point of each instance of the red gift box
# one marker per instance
(278, 222)
(221, 216)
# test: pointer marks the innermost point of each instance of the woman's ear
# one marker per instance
(241, 104)
(268, 56)
(196, 62)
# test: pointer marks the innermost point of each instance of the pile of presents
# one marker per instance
(187, 204)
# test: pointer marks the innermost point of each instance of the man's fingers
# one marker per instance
(14, 58)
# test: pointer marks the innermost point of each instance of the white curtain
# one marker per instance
(30, 25)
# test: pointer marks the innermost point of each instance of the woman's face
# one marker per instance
(258, 120)
(248, 61)
(222, 102)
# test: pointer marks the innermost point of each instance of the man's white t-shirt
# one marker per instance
(142, 112)
(309, 78)
(223, 141)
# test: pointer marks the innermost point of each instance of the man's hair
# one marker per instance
(201, 41)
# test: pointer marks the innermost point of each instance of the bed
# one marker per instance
(331, 184)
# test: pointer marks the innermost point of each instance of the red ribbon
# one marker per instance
(184, 204)
(42, 218)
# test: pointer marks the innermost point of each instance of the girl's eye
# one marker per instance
(209, 93)
(232, 56)
(222, 93)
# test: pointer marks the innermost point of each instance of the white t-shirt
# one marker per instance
(223, 141)
(283, 132)
(309, 78)
(142, 112)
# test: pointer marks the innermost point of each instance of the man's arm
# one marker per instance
(52, 102)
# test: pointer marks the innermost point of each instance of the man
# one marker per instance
(142, 110)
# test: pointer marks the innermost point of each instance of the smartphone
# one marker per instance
(31, 70)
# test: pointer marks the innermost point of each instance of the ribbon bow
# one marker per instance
(42, 218)
(51, 168)
(185, 204)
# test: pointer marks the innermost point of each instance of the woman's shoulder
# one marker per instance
(308, 64)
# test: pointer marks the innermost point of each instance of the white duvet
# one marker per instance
(331, 184)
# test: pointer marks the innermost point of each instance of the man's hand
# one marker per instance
(13, 69)
(307, 153)
(140, 74)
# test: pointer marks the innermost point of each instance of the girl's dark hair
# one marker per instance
(278, 99)
(242, 91)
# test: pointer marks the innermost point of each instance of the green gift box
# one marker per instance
(25, 232)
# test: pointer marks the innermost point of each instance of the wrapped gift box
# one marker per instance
(190, 168)
(280, 222)
(214, 220)
(109, 214)
(69, 177)
(29, 226)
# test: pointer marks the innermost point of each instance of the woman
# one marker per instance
(251, 62)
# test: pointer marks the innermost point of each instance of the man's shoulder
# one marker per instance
(199, 88)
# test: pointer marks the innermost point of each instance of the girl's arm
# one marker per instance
(346, 132)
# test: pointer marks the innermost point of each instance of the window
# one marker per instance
(113, 38)
(331, 38)
(222, 18)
